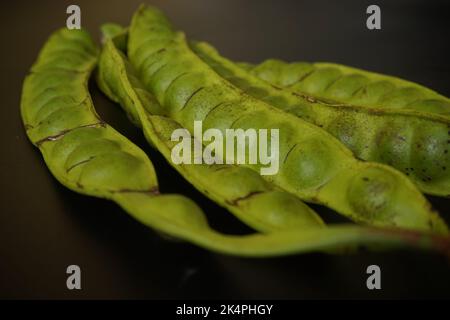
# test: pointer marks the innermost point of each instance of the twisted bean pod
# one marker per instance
(341, 84)
(415, 143)
(241, 190)
(314, 165)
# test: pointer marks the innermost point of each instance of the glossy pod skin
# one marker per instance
(241, 190)
(343, 84)
(82, 151)
(413, 142)
(88, 156)
(313, 164)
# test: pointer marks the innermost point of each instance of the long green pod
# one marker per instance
(415, 143)
(241, 190)
(313, 164)
(337, 83)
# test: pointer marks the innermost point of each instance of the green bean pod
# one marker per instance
(241, 190)
(415, 143)
(313, 164)
(337, 83)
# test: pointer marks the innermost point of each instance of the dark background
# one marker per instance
(44, 227)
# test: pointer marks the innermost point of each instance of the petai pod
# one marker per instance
(342, 84)
(241, 190)
(415, 143)
(88, 156)
(313, 164)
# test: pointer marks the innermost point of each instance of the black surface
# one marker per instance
(45, 227)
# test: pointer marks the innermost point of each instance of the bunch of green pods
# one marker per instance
(314, 165)
(166, 86)
(414, 142)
